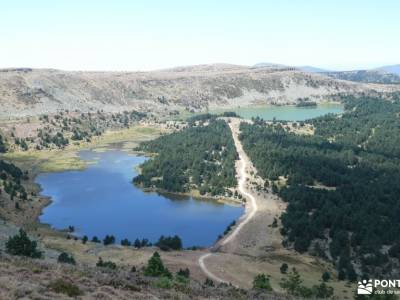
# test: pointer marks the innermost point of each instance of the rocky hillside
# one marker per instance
(25, 278)
(51, 277)
(27, 91)
(367, 76)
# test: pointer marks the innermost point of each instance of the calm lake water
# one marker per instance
(287, 113)
(102, 200)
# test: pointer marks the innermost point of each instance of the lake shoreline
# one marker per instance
(46, 219)
(260, 103)
(284, 112)
(38, 162)
(59, 160)
(195, 195)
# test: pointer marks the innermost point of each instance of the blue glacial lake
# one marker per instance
(102, 200)
(286, 112)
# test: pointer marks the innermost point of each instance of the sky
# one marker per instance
(150, 34)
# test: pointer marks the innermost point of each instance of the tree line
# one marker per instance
(11, 178)
(198, 157)
(64, 128)
(342, 183)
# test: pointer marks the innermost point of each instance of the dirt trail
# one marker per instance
(251, 206)
(206, 271)
(251, 203)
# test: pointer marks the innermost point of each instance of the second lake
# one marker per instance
(285, 112)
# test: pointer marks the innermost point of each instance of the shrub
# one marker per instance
(261, 282)
(3, 146)
(322, 291)
(106, 264)
(284, 267)
(326, 276)
(209, 282)
(292, 284)
(183, 273)
(181, 282)
(20, 244)
(66, 258)
(182, 278)
(229, 227)
(61, 286)
(163, 282)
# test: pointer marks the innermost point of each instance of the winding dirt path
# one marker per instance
(251, 204)
(206, 271)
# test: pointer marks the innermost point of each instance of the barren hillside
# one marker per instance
(367, 76)
(36, 91)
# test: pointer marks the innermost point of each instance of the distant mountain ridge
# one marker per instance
(382, 75)
(269, 65)
(312, 69)
(308, 69)
(367, 76)
(394, 69)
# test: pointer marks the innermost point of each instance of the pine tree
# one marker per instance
(84, 239)
(261, 282)
(284, 267)
(155, 267)
(326, 276)
(66, 258)
(137, 243)
(125, 242)
(20, 244)
(292, 284)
